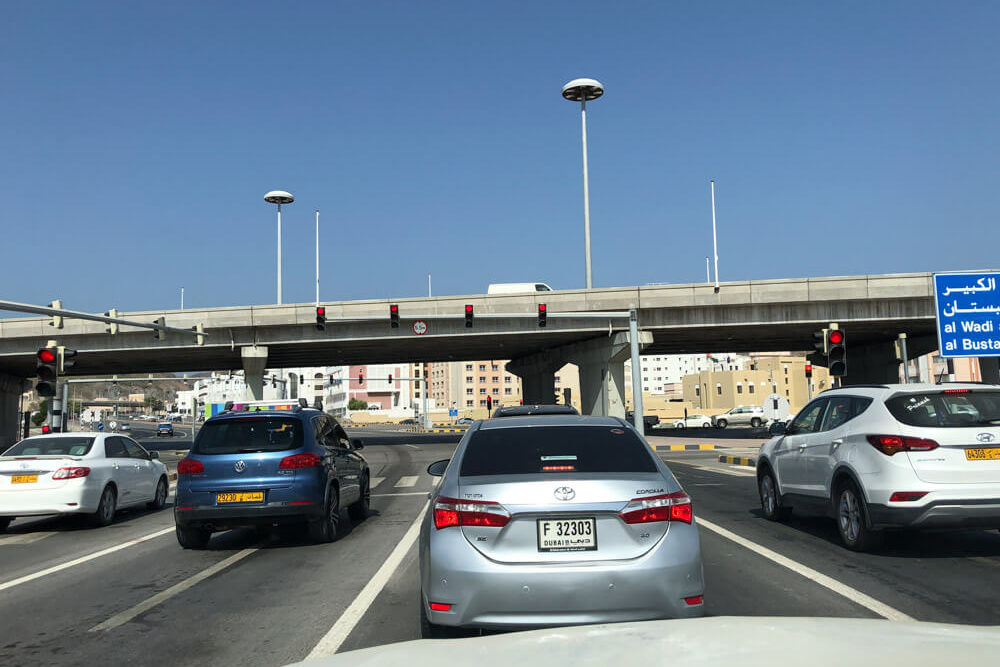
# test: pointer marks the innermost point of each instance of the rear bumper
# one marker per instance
(950, 513)
(484, 593)
(68, 499)
(224, 518)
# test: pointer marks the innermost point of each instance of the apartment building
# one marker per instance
(719, 390)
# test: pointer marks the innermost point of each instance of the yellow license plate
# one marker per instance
(983, 454)
(24, 479)
(246, 497)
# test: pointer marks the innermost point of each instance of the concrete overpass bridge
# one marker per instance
(743, 316)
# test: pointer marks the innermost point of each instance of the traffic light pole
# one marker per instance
(904, 358)
(66, 409)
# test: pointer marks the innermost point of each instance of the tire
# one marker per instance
(852, 519)
(721, 423)
(707, 425)
(192, 538)
(359, 511)
(770, 499)
(105, 513)
(755, 422)
(160, 499)
(680, 425)
(327, 529)
(4, 522)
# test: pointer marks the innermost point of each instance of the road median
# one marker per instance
(738, 460)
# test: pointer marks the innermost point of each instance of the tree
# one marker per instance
(43, 412)
(355, 404)
(153, 403)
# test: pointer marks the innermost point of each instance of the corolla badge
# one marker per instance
(240, 466)
(564, 493)
(985, 437)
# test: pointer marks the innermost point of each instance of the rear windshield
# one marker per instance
(51, 446)
(948, 409)
(250, 434)
(555, 449)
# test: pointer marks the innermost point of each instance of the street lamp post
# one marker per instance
(582, 90)
(279, 197)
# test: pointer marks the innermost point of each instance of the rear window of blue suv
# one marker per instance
(245, 435)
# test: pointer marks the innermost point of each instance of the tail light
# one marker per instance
(892, 444)
(440, 606)
(668, 507)
(299, 461)
(70, 473)
(694, 600)
(190, 467)
(454, 512)
(906, 496)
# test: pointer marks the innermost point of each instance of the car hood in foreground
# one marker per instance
(717, 642)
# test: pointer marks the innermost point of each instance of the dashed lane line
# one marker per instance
(409, 493)
(24, 538)
(407, 481)
(832, 584)
(376, 481)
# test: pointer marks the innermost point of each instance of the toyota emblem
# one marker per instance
(985, 437)
(240, 466)
(564, 493)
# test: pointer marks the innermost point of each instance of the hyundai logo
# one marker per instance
(564, 493)
(240, 466)
(985, 437)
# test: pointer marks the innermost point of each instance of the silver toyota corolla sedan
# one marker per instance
(554, 520)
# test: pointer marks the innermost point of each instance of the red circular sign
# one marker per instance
(419, 327)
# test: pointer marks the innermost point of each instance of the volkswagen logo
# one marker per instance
(985, 437)
(240, 466)
(564, 493)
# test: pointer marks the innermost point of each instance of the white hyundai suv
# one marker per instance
(888, 456)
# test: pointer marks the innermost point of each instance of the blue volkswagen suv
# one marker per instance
(256, 466)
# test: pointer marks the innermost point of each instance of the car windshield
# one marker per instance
(249, 434)
(555, 449)
(954, 408)
(42, 446)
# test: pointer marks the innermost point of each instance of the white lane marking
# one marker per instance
(407, 481)
(723, 471)
(376, 481)
(709, 484)
(414, 446)
(410, 493)
(333, 639)
(846, 591)
(147, 604)
(24, 538)
(83, 559)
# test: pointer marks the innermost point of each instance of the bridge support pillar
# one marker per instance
(254, 362)
(11, 389)
(537, 373)
(989, 369)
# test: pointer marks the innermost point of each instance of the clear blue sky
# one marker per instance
(140, 138)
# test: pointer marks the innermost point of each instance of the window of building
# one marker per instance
(739, 388)
(482, 378)
(482, 367)
(495, 367)
(697, 390)
(482, 403)
(556, 378)
(468, 367)
(786, 393)
(495, 390)
(506, 380)
(718, 389)
(786, 370)
(750, 387)
(645, 388)
(496, 379)
(469, 378)
(645, 379)
(469, 404)
(482, 390)
(468, 392)
(507, 391)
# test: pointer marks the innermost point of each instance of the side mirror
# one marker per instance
(778, 428)
(437, 468)
(154, 455)
(357, 443)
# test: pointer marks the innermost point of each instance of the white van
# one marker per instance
(517, 288)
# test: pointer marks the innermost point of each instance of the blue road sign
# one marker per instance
(453, 412)
(100, 427)
(968, 314)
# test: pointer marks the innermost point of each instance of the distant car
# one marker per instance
(525, 410)
(92, 474)
(260, 468)
(409, 421)
(749, 415)
(517, 288)
(648, 421)
(124, 426)
(465, 420)
(693, 421)
(164, 428)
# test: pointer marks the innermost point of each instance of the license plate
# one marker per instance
(242, 497)
(983, 454)
(572, 534)
(24, 479)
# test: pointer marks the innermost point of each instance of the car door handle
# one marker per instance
(837, 443)
(802, 448)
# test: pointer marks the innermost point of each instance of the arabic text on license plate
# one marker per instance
(245, 497)
(983, 454)
(570, 534)
(24, 479)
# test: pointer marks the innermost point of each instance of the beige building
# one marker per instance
(465, 385)
(718, 391)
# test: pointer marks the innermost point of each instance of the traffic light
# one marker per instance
(361, 377)
(390, 378)
(489, 402)
(394, 316)
(468, 316)
(160, 334)
(819, 341)
(809, 371)
(321, 318)
(543, 314)
(111, 327)
(836, 349)
(64, 355)
(47, 370)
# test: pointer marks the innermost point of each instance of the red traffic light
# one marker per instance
(47, 356)
(836, 337)
(393, 308)
(809, 368)
(541, 308)
(468, 308)
(46, 429)
(321, 310)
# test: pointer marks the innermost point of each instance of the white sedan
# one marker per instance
(92, 474)
(693, 421)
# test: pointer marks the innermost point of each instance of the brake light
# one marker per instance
(906, 496)
(893, 444)
(300, 461)
(71, 473)
(440, 606)
(957, 391)
(558, 468)
(694, 600)
(668, 507)
(190, 467)
(454, 512)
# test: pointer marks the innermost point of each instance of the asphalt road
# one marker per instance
(253, 601)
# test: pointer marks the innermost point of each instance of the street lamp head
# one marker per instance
(582, 90)
(279, 197)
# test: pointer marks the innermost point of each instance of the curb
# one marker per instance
(447, 430)
(738, 460)
(682, 448)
